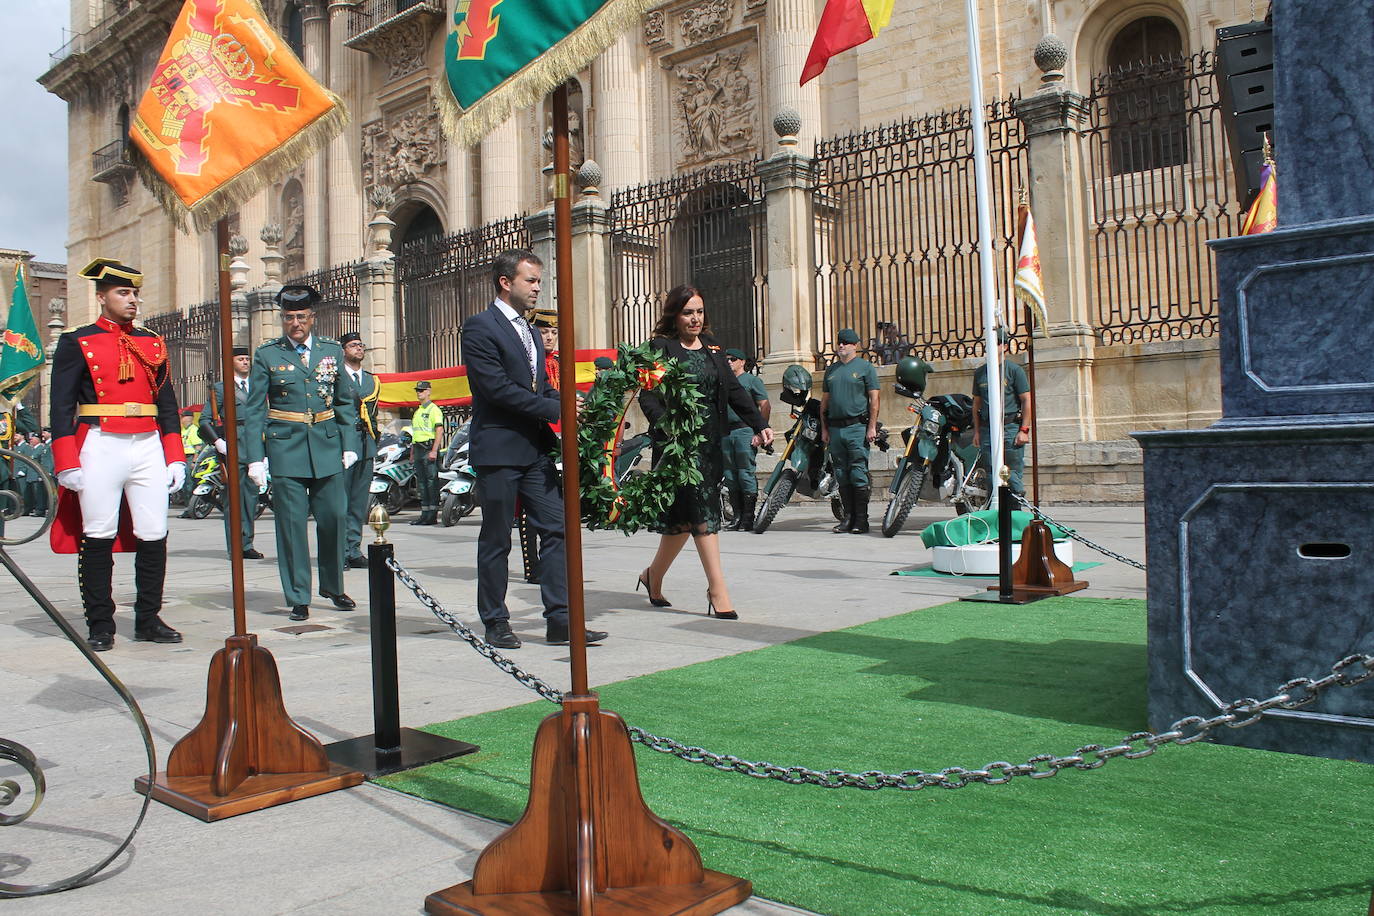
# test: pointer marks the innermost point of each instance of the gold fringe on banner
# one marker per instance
(532, 82)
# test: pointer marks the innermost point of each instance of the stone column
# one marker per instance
(501, 172)
(377, 287)
(790, 30)
(315, 175)
(618, 111)
(540, 225)
(1054, 116)
(786, 175)
(262, 302)
(591, 227)
(343, 158)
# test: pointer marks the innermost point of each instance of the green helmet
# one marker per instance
(797, 378)
(912, 372)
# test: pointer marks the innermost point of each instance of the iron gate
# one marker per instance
(192, 340)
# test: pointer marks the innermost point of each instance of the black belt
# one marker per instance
(842, 422)
(735, 426)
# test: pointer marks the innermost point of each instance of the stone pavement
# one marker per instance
(370, 850)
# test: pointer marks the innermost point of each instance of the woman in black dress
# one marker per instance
(681, 333)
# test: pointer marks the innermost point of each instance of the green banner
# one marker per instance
(505, 55)
(21, 356)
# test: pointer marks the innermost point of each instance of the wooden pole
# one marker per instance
(230, 467)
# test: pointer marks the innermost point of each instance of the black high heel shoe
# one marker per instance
(712, 612)
(656, 602)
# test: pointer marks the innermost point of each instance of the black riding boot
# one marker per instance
(735, 500)
(859, 525)
(747, 502)
(150, 572)
(847, 507)
(94, 569)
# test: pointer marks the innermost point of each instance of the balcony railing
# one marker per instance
(372, 16)
(111, 160)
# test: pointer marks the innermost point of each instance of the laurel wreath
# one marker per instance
(645, 497)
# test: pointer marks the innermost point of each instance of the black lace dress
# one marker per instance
(696, 510)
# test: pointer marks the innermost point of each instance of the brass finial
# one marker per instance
(1005, 475)
(380, 521)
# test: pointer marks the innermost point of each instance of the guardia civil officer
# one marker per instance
(367, 389)
(741, 470)
(849, 424)
(426, 438)
(116, 441)
(1016, 412)
(213, 429)
(300, 417)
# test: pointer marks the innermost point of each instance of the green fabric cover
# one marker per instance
(978, 528)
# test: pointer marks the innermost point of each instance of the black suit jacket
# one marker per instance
(511, 409)
(729, 393)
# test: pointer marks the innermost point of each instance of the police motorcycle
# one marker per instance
(458, 494)
(393, 475)
(210, 489)
(804, 465)
(939, 452)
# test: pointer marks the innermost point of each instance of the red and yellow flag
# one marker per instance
(1263, 215)
(844, 24)
(449, 385)
(230, 109)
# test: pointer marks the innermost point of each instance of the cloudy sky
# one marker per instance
(33, 145)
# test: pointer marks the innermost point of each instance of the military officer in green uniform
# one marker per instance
(15, 426)
(741, 475)
(212, 429)
(1016, 414)
(300, 417)
(849, 424)
(367, 389)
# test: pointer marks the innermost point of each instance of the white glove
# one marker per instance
(349, 458)
(176, 476)
(71, 479)
(221, 446)
(258, 474)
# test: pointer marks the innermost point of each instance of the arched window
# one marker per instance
(1146, 78)
(423, 227)
(122, 123)
(293, 27)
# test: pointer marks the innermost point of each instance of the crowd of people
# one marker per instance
(305, 406)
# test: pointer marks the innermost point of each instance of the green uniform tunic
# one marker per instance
(741, 473)
(1015, 384)
(848, 385)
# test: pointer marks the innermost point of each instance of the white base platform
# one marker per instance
(981, 559)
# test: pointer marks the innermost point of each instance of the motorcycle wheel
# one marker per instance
(977, 480)
(455, 509)
(200, 506)
(837, 508)
(395, 500)
(777, 498)
(901, 503)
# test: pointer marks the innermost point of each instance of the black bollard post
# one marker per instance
(390, 748)
(1004, 542)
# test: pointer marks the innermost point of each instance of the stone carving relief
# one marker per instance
(705, 21)
(402, 47)
(714, 106)
(293, 230)
(655, 32)
(754, 8)
(401, 149)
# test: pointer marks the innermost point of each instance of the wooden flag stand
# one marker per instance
(1037, 571)
(586, 843)
(246, 753)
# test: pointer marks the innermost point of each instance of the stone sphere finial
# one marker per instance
(787, 123)
(1051, 54)
(589, 177)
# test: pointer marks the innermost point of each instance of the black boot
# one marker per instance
(847, 507)
(747, 502)
(859, 525)
(150, 571)
(94, 568)
(734, 508)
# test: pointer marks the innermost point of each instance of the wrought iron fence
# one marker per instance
(440, 283)
(192, 339)
(370, 14)
(705, 228)
(337, 311)
(896, 232)
(1159, 186)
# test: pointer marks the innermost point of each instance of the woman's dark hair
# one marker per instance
(677, 300)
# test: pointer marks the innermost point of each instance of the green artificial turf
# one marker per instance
(1203, 829)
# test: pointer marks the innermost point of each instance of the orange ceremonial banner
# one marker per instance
(449, 386)
(230, 109)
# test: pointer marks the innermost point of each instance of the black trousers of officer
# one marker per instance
(536, 486)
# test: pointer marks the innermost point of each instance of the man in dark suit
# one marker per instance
(512, 407)
(357, 478)
(212, 430)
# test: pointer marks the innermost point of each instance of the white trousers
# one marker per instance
(131, 465)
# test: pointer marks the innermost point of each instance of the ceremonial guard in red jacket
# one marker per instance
(117, 453)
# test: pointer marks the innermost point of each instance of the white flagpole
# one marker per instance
(986, 263)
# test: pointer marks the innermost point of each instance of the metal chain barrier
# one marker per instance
(482, 647)
(1040, 514)
(1294, 694)
(1237, 714)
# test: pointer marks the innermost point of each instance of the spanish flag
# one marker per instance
(229, 111)
(1263, 215)
(1028, 283)
(844, 24)
(449, 386)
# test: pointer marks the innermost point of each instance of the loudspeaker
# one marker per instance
(1245, 73)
